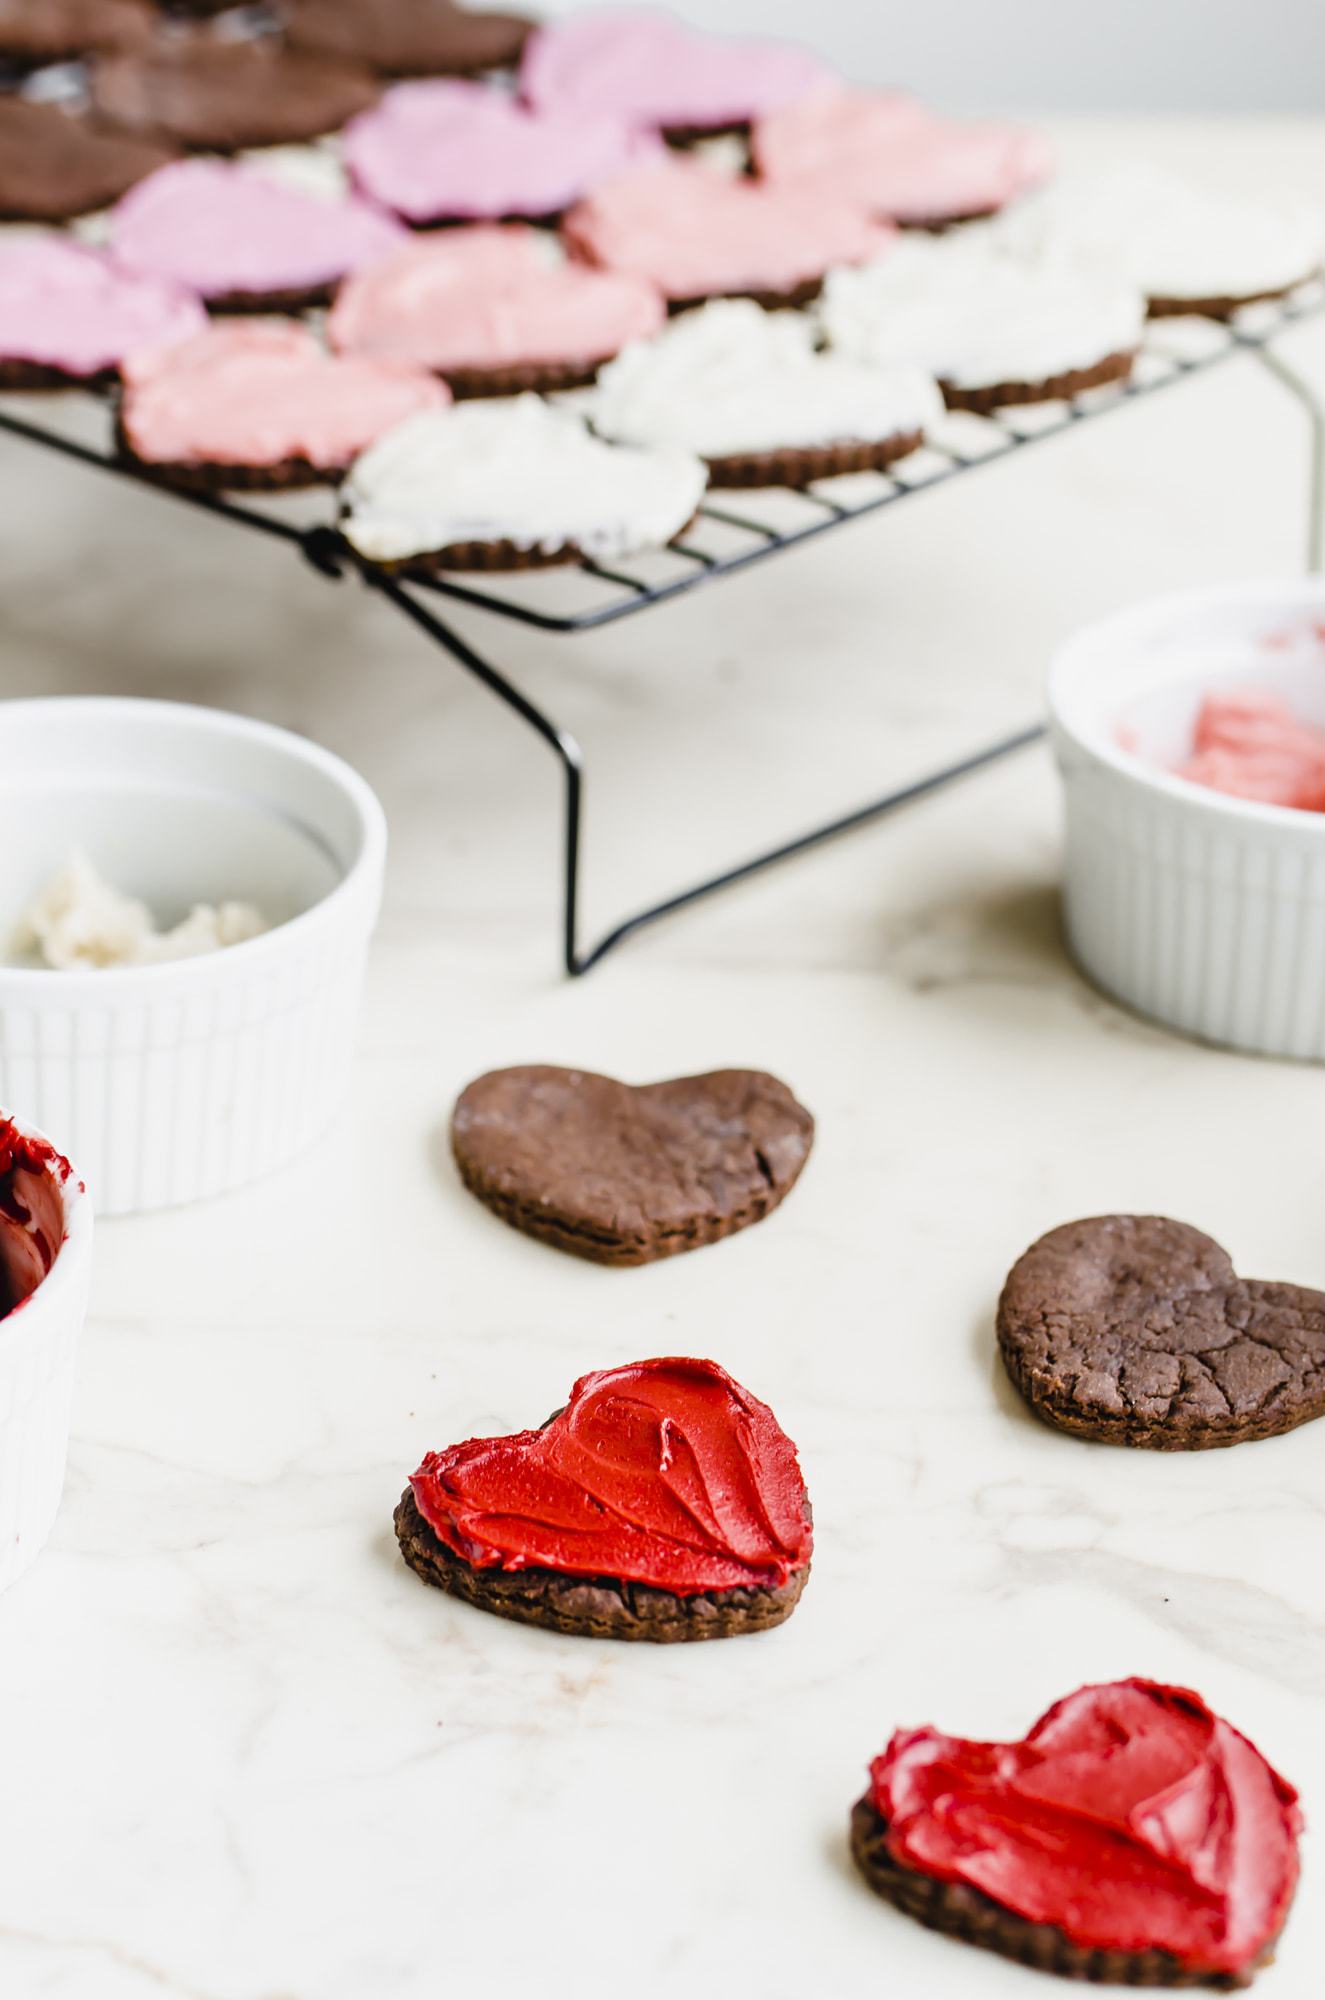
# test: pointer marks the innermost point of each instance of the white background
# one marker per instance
(1108, 55)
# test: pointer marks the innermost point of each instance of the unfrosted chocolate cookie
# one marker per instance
(408, 37)
(55, 165)
(34, 32)
(591, 1607)
(1136, 1330)
(624, 1174)
(200, 90)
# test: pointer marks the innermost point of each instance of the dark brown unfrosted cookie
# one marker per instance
(55, 165)
(959, 1911)
(1136, 1330)
(33, 32)
(625, 1174)
(591, 1608)
(198, 89)
(408, 37)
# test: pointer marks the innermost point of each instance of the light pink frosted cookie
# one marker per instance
(448, 151)
(243, 240)
(700, 234)
(493, 310)
(67, 315)
(258, 405)
(655, 72)
(889, 154)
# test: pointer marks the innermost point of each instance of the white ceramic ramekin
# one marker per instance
(38, 1368)
(1203, 911)
(172, 1082)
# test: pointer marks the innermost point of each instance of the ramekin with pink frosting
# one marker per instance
(495, 310)
(69, 317)
(45, 1270)
(254, 404)
(1190, 733)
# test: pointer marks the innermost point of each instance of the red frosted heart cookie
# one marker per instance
(664, 1502)
(1132, 1836)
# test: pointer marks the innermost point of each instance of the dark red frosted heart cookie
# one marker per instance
(665, 1502)
(1136, 1330)
(1132, 1836)
(624, 1173)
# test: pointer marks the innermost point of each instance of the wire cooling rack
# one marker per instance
(732, 534)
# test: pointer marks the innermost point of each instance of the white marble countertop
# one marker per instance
(245, 1755)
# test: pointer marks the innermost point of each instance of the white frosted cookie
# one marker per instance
(1188, 248)
(991, 328)
(749, 392)
(512, 484)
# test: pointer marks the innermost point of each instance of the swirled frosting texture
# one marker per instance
(490, 297)
(514, 470)
(698, 233)
(1131, 1818)
(662, 1472)
(441, 151)
(733, 378)
(227, 230)
(891, 155)
(66, 307)
(651, 70)
(974, 317)
(256, 393)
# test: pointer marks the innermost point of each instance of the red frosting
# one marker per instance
(662, 1472)
(1131, 1818)
(31, 1212)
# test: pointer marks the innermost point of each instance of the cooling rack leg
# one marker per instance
(1310, 401)
(570, 757)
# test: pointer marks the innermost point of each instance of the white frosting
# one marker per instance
(976, 317)
(1173, 240)
(517, 471)
(733, 378)
(78, 920)
(315, 169)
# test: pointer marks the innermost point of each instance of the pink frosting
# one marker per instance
(68, 307)
(490, 297)
(223, 229)
(1252, 746)
(698, 233)
(433, 151)
(654, 71)
(892, 155)
(255, 393)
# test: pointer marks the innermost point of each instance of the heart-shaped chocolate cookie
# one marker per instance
(623, 1174)
(664, 1502)
(1132, 1836)
(1137, 1330)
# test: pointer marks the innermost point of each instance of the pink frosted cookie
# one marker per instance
(699, 234)
(245, 241)
(1252, 746)
(67, 315)
(891, 155)
(494, 311)
(263, 406)
(655, 72)
(453, 151)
